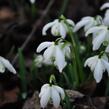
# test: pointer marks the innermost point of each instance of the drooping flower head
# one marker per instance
(100, 34)
(4, 63)
(87, 22)
(98, 65)
(55, 53)
(52, 93)
(58, 27)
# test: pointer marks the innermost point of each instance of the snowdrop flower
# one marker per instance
(54, 53)
(32, 1)
(100, 34)
(4, 63)
(98, 65)
(38, 60)
(87, 23)
(104, 6)
(53, 93)
(58, 27)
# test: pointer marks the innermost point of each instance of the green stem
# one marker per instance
(52, 79)
(75, 52)
(77, 57)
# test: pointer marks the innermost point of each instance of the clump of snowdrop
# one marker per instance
(58, 27)
(87, 23)
(98, 64)
(98, 28)
(4, 63)
(50, 92)
(55, 53)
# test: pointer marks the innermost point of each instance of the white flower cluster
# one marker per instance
(99, 29)
(55, 53)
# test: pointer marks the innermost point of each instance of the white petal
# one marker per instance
(47, 62)
(107, 49)
(47, 26)
(8, 65)
(67, 51)
(65, 47)
(89, 25)
(106, 5)
(80, 25)
(104, 57)
(93, 30)
(91, 62)
(87, 18)
(43, 89)
(45, 98)
(60, 91)
(106, 18)
(55, 29)
(55, 97)
(32, 1)
(99, 20)
(44, 45)
(70, 22)
(62, 31)
(59, 59)
(106, 65)
(97, 41)
(2, 68)
(98, 72)
(49, 53)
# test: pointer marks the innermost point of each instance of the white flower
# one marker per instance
(58, 27)
(38, 60)
(98, 66)
(100, 34)
(4, 63)
(87, 23)
(104, 6)
(32, 1)
(55, 53)
(53, 93)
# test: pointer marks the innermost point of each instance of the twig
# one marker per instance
(35, 27)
